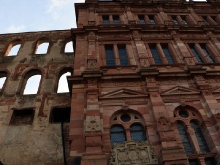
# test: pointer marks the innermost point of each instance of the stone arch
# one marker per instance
(28, 74)
(59, 73)
(11, 45)
(40, 41)
(64, 42)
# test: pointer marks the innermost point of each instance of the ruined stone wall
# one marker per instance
(39, 141)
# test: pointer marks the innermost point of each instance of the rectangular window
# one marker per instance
(20, 117)
(175, 20)
(155, 54)
(116, 19)
(59, 115)
(196, 54)
(122, 55)
(167, 54)
(141, 19)
(205, 51)
(105, 19)
(110, 57)
(152, 20)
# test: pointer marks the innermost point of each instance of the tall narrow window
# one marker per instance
(69, 47)
(105, 19)
(209, 57)
(167, 54)
(14, 50)
(42, 48)
(155, 54)
(151, 18)
(195, 53)
(62, 85)
(110, 57)
(117, 134)
(116, 19)
(122, 55)
(185, 139)
(32, 84)
(200, 137)
(141, 19)
(137, 132)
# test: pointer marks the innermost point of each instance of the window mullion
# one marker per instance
(193, 138)
(201, 53)
(111, 19)
(117, 60)
(161, 54)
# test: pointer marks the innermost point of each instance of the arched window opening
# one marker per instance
(2, 81)
(185, 139)
(14, 50)
(137, 132)
(42, 48)
(32, 85)
(200, 137)
(63, 85)
(117, 134)
(69, 47)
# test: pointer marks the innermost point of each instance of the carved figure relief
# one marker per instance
(163, 124)
(92, 64)
(93, 123)
(132, 152)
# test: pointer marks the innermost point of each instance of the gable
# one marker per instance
(180, 90)
(123, 93)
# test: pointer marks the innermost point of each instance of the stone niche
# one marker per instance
(132, 152)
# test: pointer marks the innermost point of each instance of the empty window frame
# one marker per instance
(161, 53)
(62, 84)
(42, 48)
(141, 19)
(59, 115)
(201, 53)
(175, 21)
(24, 116)
(69, 47)
(111, 19)
(182, 20)
(151, 19)
(13, 48)
(116, 55)
(3, 77)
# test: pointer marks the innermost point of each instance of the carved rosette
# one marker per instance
(93, 123)
(132, 152)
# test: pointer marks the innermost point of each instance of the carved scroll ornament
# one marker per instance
(132, 152)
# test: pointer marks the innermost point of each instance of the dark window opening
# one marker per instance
(210, 161)
(193, 162)
(110, 57)
(22, 117)
(116, 19)
(151, 18)
(167, 54)
(117, 134)
(183, 114)
(200, 137)
(125, 118)
(185, 139)
(105, 19)
(141, 19)
(196, 54)
(184, 19)
(207, 54)
(122, 55)
(137, 132)
(60, 115)
(155, 54)
(174, 20)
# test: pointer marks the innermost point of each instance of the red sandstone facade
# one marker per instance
(144, 87)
